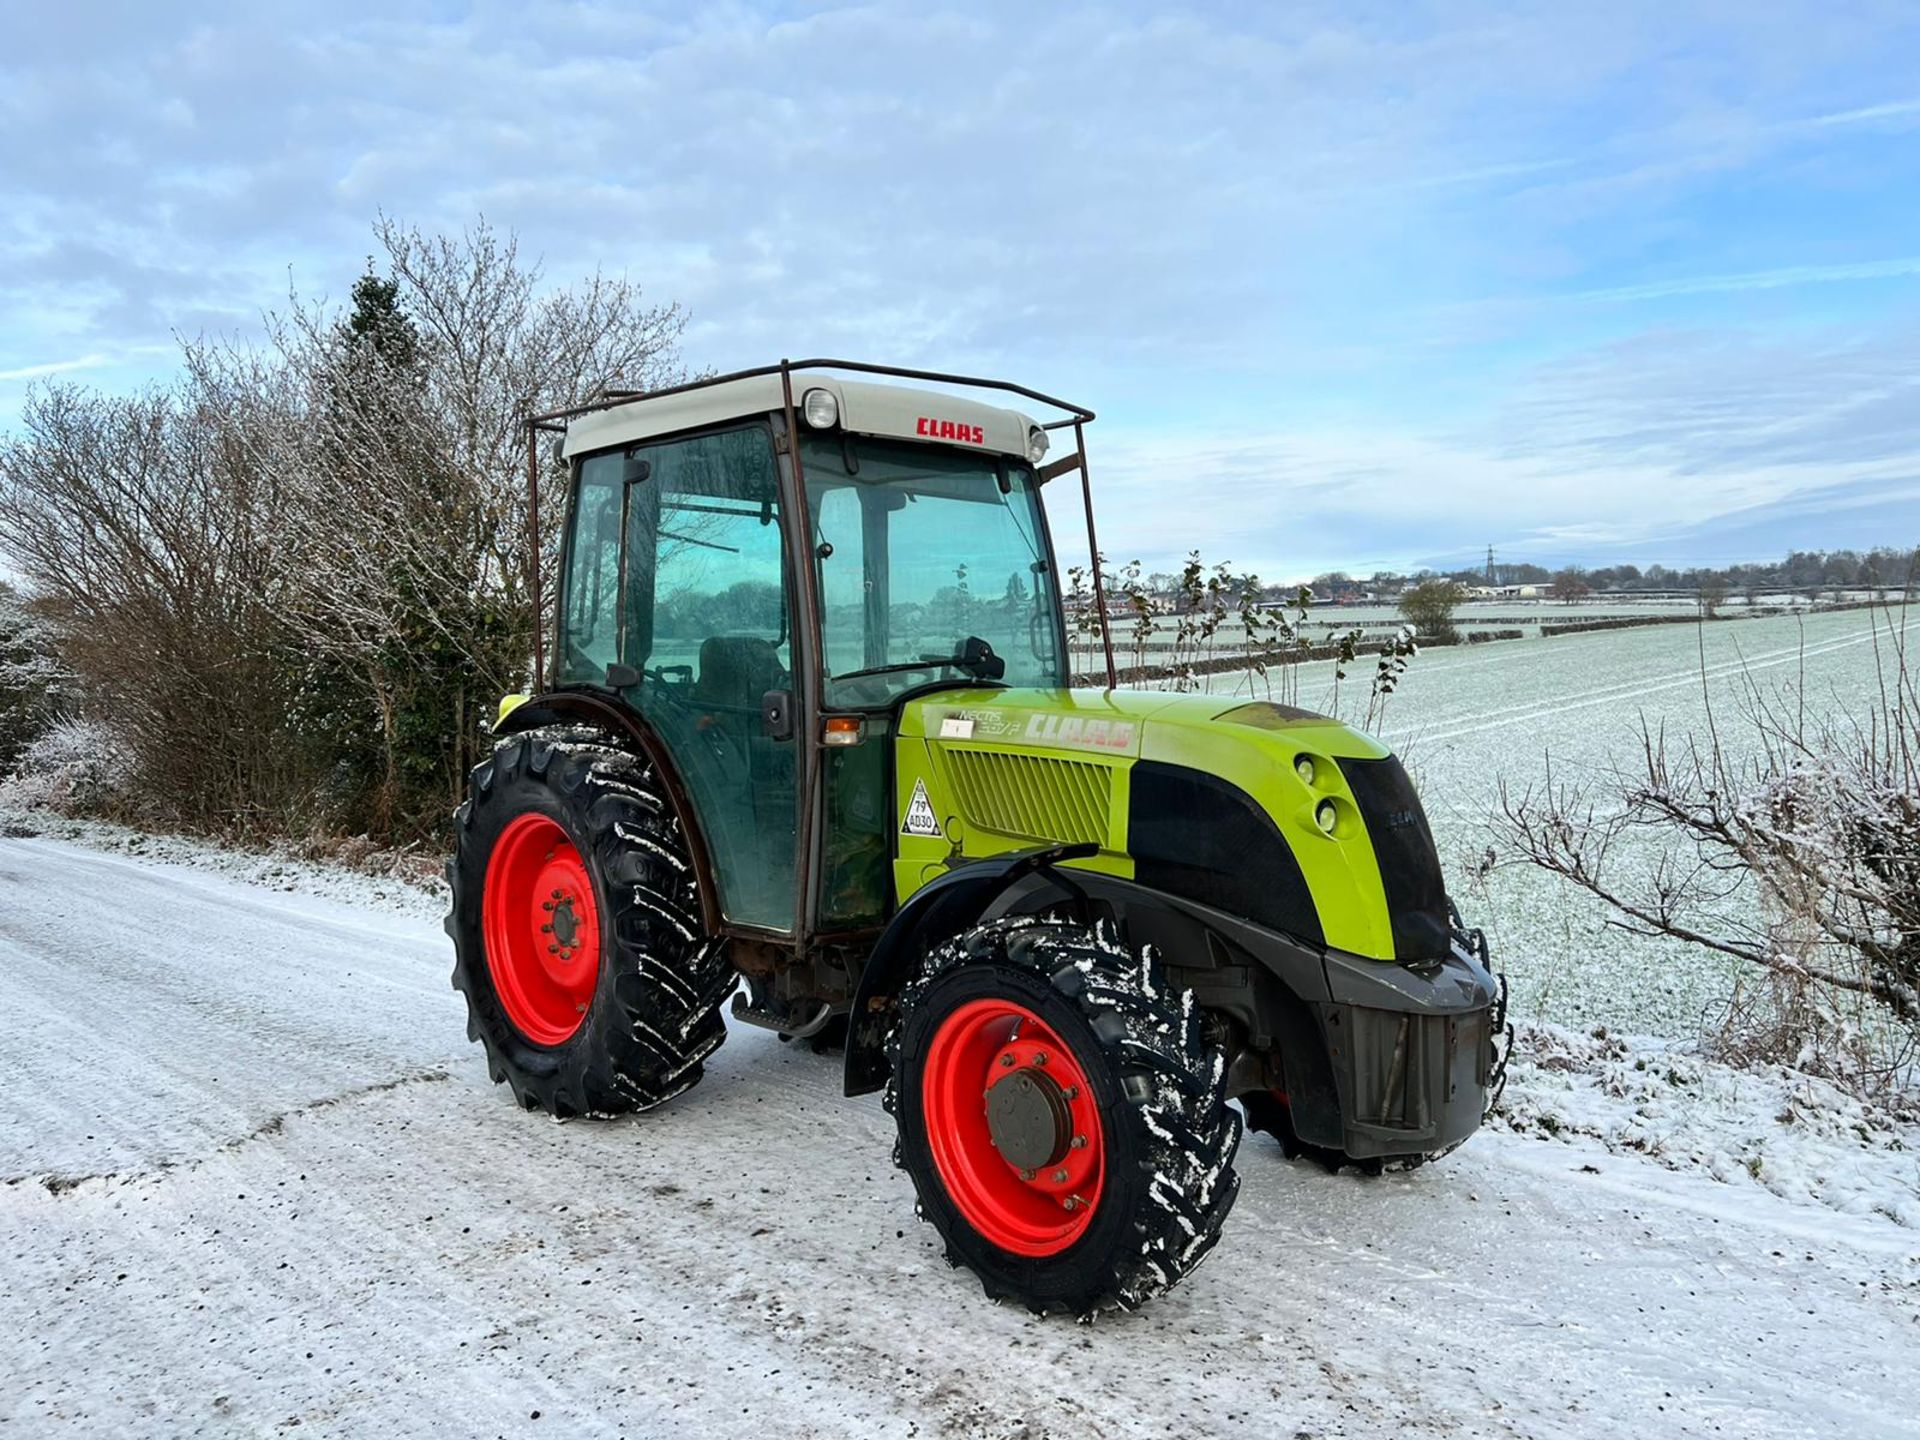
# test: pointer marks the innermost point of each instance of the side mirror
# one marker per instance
(776, 714)
(622, 677)
(977, 656)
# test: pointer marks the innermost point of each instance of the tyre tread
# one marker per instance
(1183, 1127)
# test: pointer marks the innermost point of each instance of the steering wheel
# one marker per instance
(879, 689)
(665, 674)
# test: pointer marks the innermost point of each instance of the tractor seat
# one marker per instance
(735, 671)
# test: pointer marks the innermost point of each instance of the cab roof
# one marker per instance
(865, 407)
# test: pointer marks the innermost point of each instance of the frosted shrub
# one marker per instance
(33, 682)
(73, 767)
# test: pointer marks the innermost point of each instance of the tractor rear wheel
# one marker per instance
(575, 929)
(1062, 1115)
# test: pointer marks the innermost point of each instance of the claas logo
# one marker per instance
(949, 430)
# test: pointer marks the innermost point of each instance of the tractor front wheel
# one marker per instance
(1062, 1115)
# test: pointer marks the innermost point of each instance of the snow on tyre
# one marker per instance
(1062, 1115)
(577, 942)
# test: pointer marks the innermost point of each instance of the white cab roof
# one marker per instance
(899, 411)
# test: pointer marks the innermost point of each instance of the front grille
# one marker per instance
(1033, 797)
(1409, 863)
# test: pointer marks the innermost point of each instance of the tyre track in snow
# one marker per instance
(1647, 685)
(379, 1259)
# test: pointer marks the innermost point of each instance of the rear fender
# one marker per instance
(606, 712)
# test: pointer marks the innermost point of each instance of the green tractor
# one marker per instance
(810, 739)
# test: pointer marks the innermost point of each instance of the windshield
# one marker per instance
(922, 549)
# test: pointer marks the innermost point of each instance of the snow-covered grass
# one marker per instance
(1794, 1135)
(408, 884)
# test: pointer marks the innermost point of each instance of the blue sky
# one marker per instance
(1351, 285)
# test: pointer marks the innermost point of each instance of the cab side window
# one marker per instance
(590, 596)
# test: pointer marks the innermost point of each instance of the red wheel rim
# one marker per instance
(542, 929)
(1035, 1209)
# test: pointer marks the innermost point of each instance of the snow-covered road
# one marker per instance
(253, 1178)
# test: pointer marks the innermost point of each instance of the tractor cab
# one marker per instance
(769, 656)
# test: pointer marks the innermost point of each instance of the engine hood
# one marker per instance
(1141, 724)
(1194, 793)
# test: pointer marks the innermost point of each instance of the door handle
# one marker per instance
(776, 714)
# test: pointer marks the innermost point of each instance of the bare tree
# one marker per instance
(144, 531)
(294, 579)
(1570, 585)
(498, 346)
(402, 433)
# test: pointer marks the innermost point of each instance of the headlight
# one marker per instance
(1036, 444)
(1303, 767)
(1326, 817)
(820, 409)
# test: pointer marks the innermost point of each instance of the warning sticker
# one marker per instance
(920, 817)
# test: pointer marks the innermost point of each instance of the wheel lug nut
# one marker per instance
(553, 949)
(1072, 1092)
(546, 929)
(1006, 1062)
(1072, 1202)
(556, 894)
(1026, 1174)
(1079, 1142)
(1059, 1177)
(1039, 1057)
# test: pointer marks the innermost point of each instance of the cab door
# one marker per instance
(707, 624)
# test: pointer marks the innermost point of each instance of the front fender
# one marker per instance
(938, 910)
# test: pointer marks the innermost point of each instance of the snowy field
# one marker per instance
(1326, 622)
(1467, 719)
(254, 1180)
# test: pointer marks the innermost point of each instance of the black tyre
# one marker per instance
(576, 936)
(1062, 1116)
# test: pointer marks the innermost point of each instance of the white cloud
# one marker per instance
(1782, 278)
(52, 367)
(1641, 447)
(1870, 114)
